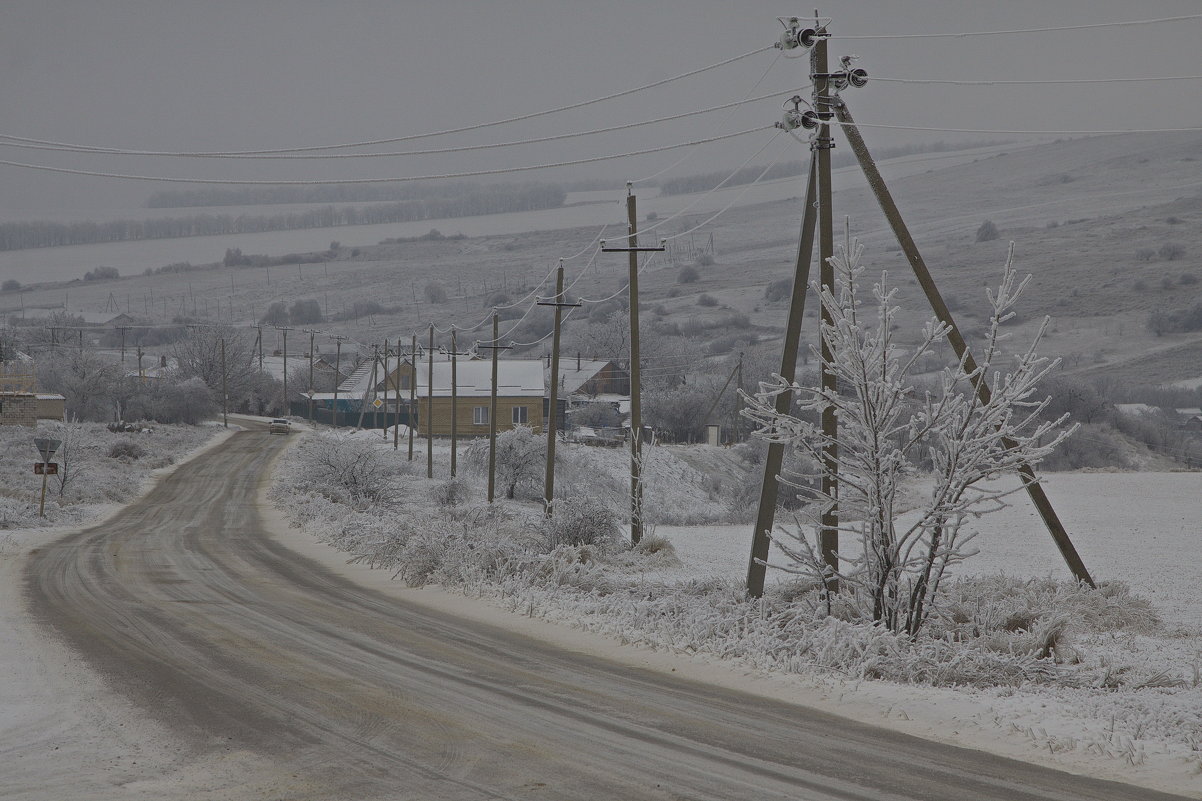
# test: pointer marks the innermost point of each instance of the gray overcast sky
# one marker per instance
(247, 74)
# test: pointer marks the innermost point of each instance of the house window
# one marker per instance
(405, 381)
(521, 415)
(480, 415)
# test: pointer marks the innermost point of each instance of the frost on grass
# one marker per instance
(96, 468)
(1000, 637)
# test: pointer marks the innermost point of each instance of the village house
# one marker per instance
(372, 397)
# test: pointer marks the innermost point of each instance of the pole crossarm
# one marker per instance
(893, 216)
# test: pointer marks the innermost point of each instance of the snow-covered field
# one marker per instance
(1123, 702)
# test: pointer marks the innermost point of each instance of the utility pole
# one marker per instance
(553, 407)
(454, 396)
(123, 329)
(396, 399)
(312, 335)
(636, 416)
(430, 409)
(259, 345)
(225, 398)
(375, 420)
(141, 353)
(492, 406)
(636, 403)
(337, 374)
(766, 512)
(738, 397)
(412, 391)
(823, 143)
(284, 330)
(893, 216)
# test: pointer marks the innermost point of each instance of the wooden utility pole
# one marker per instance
(123, 329)
(384, 375)
(287, 406)
(893, 216)
(636, 406)
(225, 397)
(454, 397)
(492, 407)
(312, 335)
(430, 408)
(636, 418)
(337, 374)
(412, 391)
(766, 514)
(396, 400)
(829, 524)
(259, 345)
(553, 409)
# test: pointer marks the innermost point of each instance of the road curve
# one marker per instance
(187, 607)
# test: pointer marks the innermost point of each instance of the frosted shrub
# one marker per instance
(521, 457)
(450, 493)
(348, 467)
(889, 428)
(582, 520)
(125, 449)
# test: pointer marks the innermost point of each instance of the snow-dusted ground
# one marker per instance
(1139, 528)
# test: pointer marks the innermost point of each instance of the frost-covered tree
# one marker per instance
(890, 430)
(521, 461)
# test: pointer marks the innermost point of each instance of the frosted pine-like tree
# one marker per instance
(892, 429)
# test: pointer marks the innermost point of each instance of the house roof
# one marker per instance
(515, 378)
(574, 373)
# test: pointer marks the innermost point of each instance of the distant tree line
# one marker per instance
(329, 193)
(494, 199)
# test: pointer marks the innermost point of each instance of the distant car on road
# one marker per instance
(279, 426)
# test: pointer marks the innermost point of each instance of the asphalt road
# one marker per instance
(188, 608)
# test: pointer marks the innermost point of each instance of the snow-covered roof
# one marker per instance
(521, 378)
(574, 373)
(515, 378)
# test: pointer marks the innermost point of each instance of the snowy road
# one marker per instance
(235, 644)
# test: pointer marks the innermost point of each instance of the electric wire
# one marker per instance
(462, 129)
(688, 153)
(684, 209)
(859, 124)
(942, 81)
(433, 151)
(966, 34)
(378, 180)
(728, 206)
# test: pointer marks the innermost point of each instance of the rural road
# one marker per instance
(231, 641)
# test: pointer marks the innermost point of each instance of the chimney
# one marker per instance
(578, 361)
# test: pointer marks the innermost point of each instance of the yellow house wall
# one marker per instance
(464, 407)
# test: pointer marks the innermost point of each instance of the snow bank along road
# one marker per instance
(229, 640)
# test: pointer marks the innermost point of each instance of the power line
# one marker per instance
(463, 129)
(398, 179)
(1021, 30)
(688, 153)
(1010, 131)
(72, 148)
(1037, 82)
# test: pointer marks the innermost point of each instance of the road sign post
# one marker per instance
(46, 447)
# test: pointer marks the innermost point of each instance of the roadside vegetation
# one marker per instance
(909, 609)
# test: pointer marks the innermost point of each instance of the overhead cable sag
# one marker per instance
(397, 179)
(462, 129)
(965, 34)
(18, 142)
(1041, 81)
